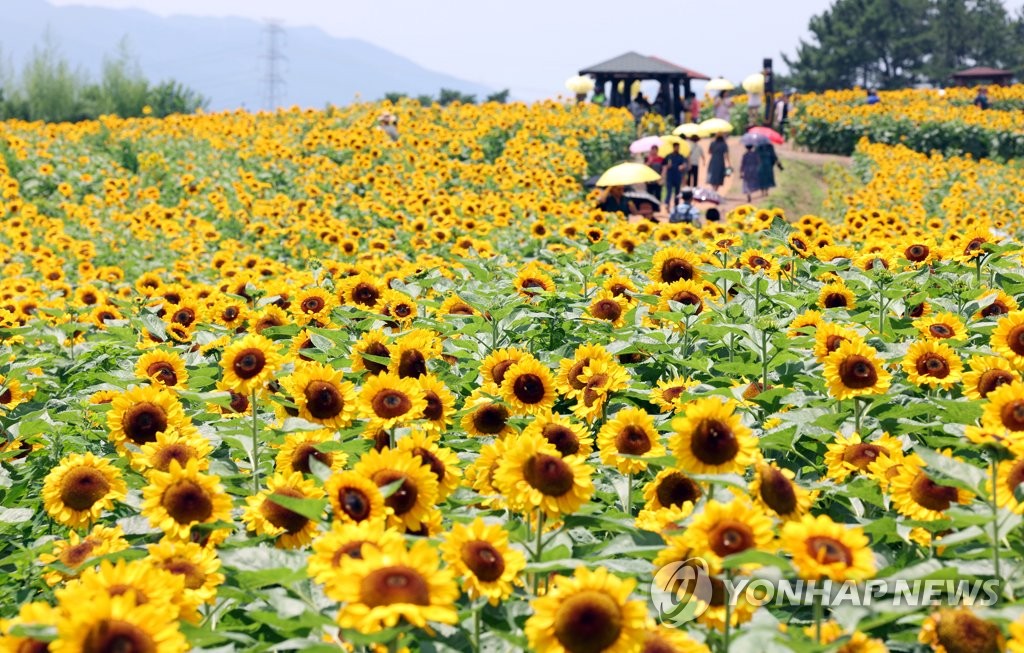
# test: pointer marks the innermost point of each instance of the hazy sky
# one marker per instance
(532, 46)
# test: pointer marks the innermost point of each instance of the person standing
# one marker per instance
(981, 99)
(782, 113)
(872, 97)
(672, 174)
(655, 163)
(718, 162)
(694, 108)
(768, 160)
(695, 159)
(754, 102)
(723, 106)
(750, 167)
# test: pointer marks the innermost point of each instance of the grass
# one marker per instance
(801, 189)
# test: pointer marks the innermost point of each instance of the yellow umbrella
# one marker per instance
(687, 130)
(666, 145)
(626, 174)
(713, 126)
(580, 84)
(754, 83)
(719, 84)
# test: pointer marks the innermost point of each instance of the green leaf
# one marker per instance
(308, 508)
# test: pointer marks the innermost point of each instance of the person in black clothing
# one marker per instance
(981, 99)
(672, 174)
(614, 200)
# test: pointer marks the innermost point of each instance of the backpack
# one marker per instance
(683, 213)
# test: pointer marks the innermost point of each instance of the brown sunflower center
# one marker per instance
(354, 503)
(175, 451)
(412, 364)
(562, 437)
(391, 585)
(1015, 476)
(83, 486)
(184, 316)
(404, 498)
(862, 454)
(239, 402)
(121, 588)
(633, 440)
(675, 269)
(499, 369)
(116, 636)
(312, 304)
(931, 495)
(303, 453)
(485, 561)
(1015, 339)
(437, 467)
(714, 442)
(460, 309)
(186, 501)
(916, 311)
(1012, 414)
(353, 549)
(933, 365)
(777, 491)
(759, 262)
(278, 515)
(974, 245)
(528, 388)
(917, 253)
(163, 372)
(6, 396)
(588, 622)
(379, 350)
(832, 342)
(550, 475)
(248, 363)
(606, 309)
(961, 632)
(857, 372)
(77, 554)
(574, 372)
(490, 419)
(998, 308)
(28, 645)
(940, 331)
(192, 573)
(365, 294)
(829, 551)
(230, 314)
(676, 489)
(389, 403)
(729, 537)
(143, 421)
(435, 408)
(688, 298)
(323, 399)
(835, 300)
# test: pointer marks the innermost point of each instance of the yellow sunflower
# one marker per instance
(117, 623)
(137, 415)
(986, 373)
(725, 529)
(1008, 338)
(1004, 408)
(80, 488)
(443, 462)
(532, 474)
(836, 295)
(932, 363)
(528, 387)
(36, 614)
(600, 379)
(175, 443)
(440, 403)
(959, 630)
(480, 473)
(531, 280)
(416, 490)
(345, 540)
(495, 365)
(484, 416)
(75, 552)
(668, 639)
(609, 308)
(480, 555)
(684, 292)
(804, 322)
(942, 326)
(917, 496)
(999, 304)
(299, 448)
(388, 400)
(313, 306)
(775, 490)
(851, 455)
(672, 488)
(355, 498)
(198, 565)
(163, 367)
(249, 363)
(151, 585)
(569, 437)
(567, 381)
(589, 611)
(666, 395)
(12, 395)
(823, 549)
(322, 395)
(854, 369)
(389, 583)
(265, 516)
(630, 433)
(672, 264)
(1009, 477)
(710, 438)
(828, 336)
(371, 344)
(409, 354)
(182, 497)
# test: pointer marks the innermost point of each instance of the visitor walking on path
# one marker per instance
(723, 106)
(655, 163)
(672, 174)
(750, 168)
(695, 159)
(768, 160)
(719, 165)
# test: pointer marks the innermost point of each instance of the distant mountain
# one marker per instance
(222, 58)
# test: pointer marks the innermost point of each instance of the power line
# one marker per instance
(274, 84)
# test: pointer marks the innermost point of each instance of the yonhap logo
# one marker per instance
(681, 591)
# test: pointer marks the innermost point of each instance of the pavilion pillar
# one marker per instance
(674, 105)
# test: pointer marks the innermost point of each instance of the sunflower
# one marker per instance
(672, 488)
(609, 308)
(569, 437)
(1009, 477)
(917, 496)
(410, 353)
(36, 614)
(265, 516)
(12, 395)
(150, 585)
(986, 374)
(182, 443)
(198, 565)
(453, 305)
(836, 295)
(630, 433)
(600, 379)
(481, 472)
(269, 317)
(417, 489)
(80, 488)
(440, 403)
(711, 439)
(828, 336)
(1001, 304)
(667, 639)
(398, 306)
(932, 363)
(850, 455)
(958, 630)
(587, 612)
(345, 540)
(182, 497)
(372, 343)
(313, 306)
(443, 462)
(484, 417)
(495, 365)
(1008, 338)
(666, 395)
(853, 369)
(300, 448)
(531, 280)
(321, 395)
(117, 623)
(163, 367)
(249, 363)
(672, 264)
(355, 498)
(1004, 408)
(76, 552)
(823, 549)
(774, 489)
(725, 529)
(362, 290)
(533, 474)
(480, 555)
(804, 322)
(620, 286)
(684, 292)
(528, 388)
(942, 326)
(389, 584)
(388, 400)
(137, 415)
(567, 381)
(229, 312)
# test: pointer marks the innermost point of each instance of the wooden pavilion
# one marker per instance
(982, 75)
(633, 67)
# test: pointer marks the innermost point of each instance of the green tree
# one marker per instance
(50, 88)
(501, 97)
(448, 96)
(968, 33)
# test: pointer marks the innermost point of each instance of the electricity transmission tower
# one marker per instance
(274, 84)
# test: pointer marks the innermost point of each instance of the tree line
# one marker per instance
(447, 96)
(48, 88)
(900, 43)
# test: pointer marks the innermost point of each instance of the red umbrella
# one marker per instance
(769, 133)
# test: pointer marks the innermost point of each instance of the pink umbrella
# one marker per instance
(769, 133)
(644, 144)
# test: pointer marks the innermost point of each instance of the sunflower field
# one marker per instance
(273, 382)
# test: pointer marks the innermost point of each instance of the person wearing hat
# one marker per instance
(386, 122)
(613, 200)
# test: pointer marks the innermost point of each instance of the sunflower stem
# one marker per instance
(476, 626)
(728, 615)
(995, 525)
(255, 446)
(857, 410)
(818, 615)
(628, 508)
(538, 549)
